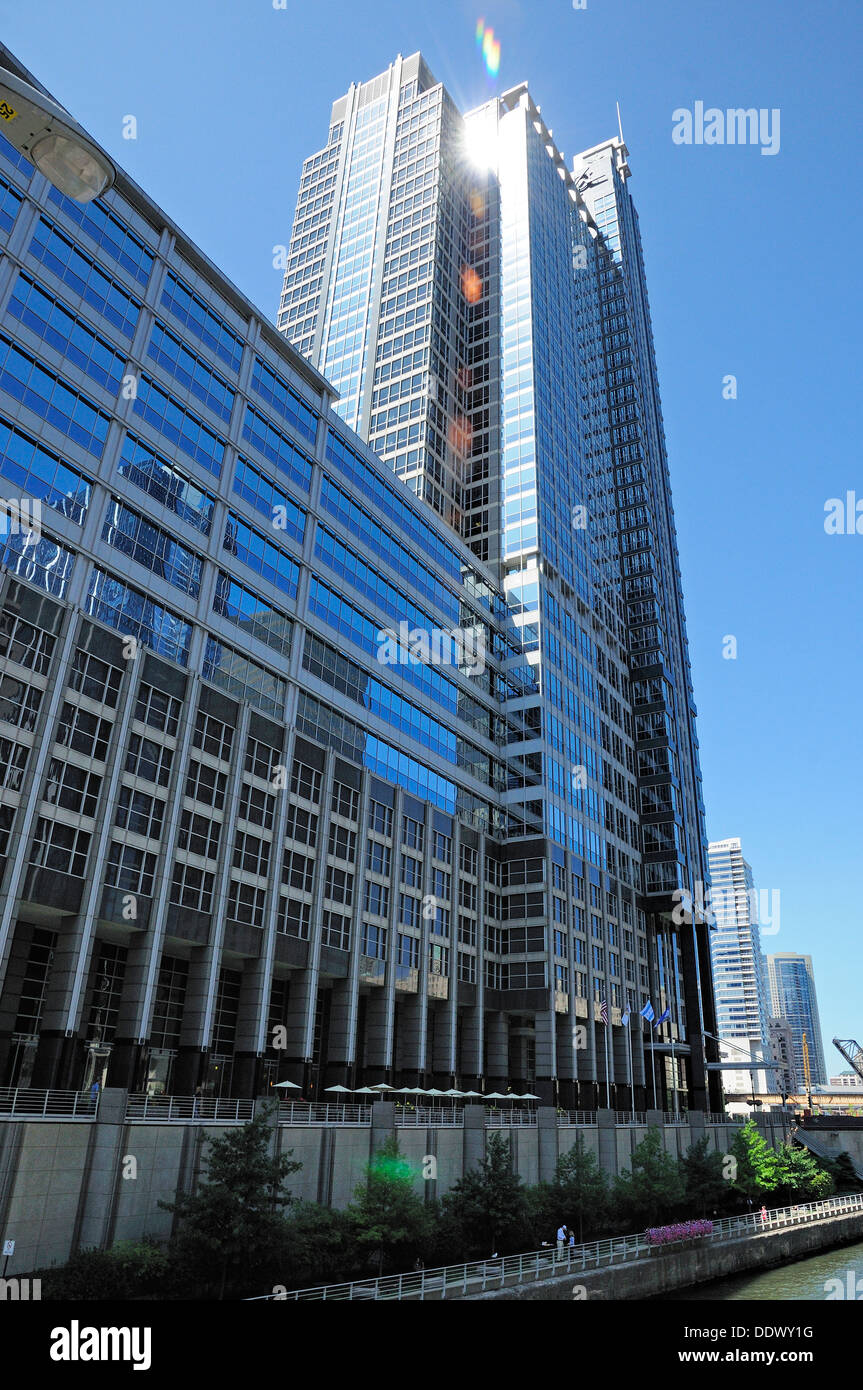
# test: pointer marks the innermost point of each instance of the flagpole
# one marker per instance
(673, 1067)
(652, 1066)
(607, 1069)
(631, 1074)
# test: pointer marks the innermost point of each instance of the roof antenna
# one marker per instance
(619, 125)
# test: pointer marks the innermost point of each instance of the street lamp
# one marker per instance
(40, 129)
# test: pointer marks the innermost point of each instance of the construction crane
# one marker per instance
(806, 1072)
(852, 1052)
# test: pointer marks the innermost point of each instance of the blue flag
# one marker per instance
(647, 1012)
(662, 1017)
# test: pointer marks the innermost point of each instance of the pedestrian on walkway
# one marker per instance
(763, 1215)
(561, 1239)
(572, 1239)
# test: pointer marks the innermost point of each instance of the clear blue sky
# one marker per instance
(747, 275)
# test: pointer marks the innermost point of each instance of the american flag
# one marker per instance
(603, 1011)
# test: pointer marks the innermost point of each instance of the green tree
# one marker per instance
(801, 1177)
(842, 1170)
(652, 1190)
(581, 1188)
(320, 1247)
(388, 1216)
(704, 1185)
(488, 1203)
(756, 1171)
(232, 1230)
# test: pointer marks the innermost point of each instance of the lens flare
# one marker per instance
(471, 284)
(489, 47)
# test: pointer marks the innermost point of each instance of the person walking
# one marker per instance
(763, 1216)
(561, 1239)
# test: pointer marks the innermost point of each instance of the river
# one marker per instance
(803, 1279)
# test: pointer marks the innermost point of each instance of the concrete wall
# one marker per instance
(66, 1185)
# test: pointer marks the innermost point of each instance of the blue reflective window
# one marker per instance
(11, 154)
(113, 601)
(57, 326)
(201, 320)
(191, 372)
(10, 202)
(277, 447)
(43, 562)
(69, 263)
(49, 396)
(284, 399)
(149, 545)
(253, 614)
(360, 524)
(34, 470)
(108, 232)
(242, 678)
(332, 609)
(368, 581)
(407, 519)
(260, 554)
(179, 425)
(145, 469)
(264, 496)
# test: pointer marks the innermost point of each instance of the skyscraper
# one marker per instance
(742, 1009)
(488, 329)
(793, 998)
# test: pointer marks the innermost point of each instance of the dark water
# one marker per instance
(805, 1279)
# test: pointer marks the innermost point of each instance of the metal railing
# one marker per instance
(24, 1104)
(296, 1113)
(423, 1116)
(509, 1118)
(675, 1117)
(225, 1109)
(723, 1119)
(630, 1117)
(576, 1117)
(547, 1263)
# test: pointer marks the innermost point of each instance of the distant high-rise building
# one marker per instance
(793, 997)
(742, 1009)
(783, 1079)
(482, 311)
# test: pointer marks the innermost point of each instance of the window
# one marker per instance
(378, 857)
(413, 833)
(149, 760)
(94, 678)
(140, 813)
(129, 869)
(191, 887)
(297, 871)
(342, 842)
(212, 736)
(374, 941)
(305, 782)
(158, 709)
(301, 825)
(380, 818)
(442, 847)
(199, 835)
(63, 848)
(345, 801)
(377, 899)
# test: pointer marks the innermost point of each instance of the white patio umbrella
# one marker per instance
(495, 1095)
(364, 1091)
(345, 1090)
(527, 1096)
(474, 1094)
(382, 1087)
(287, 1086)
